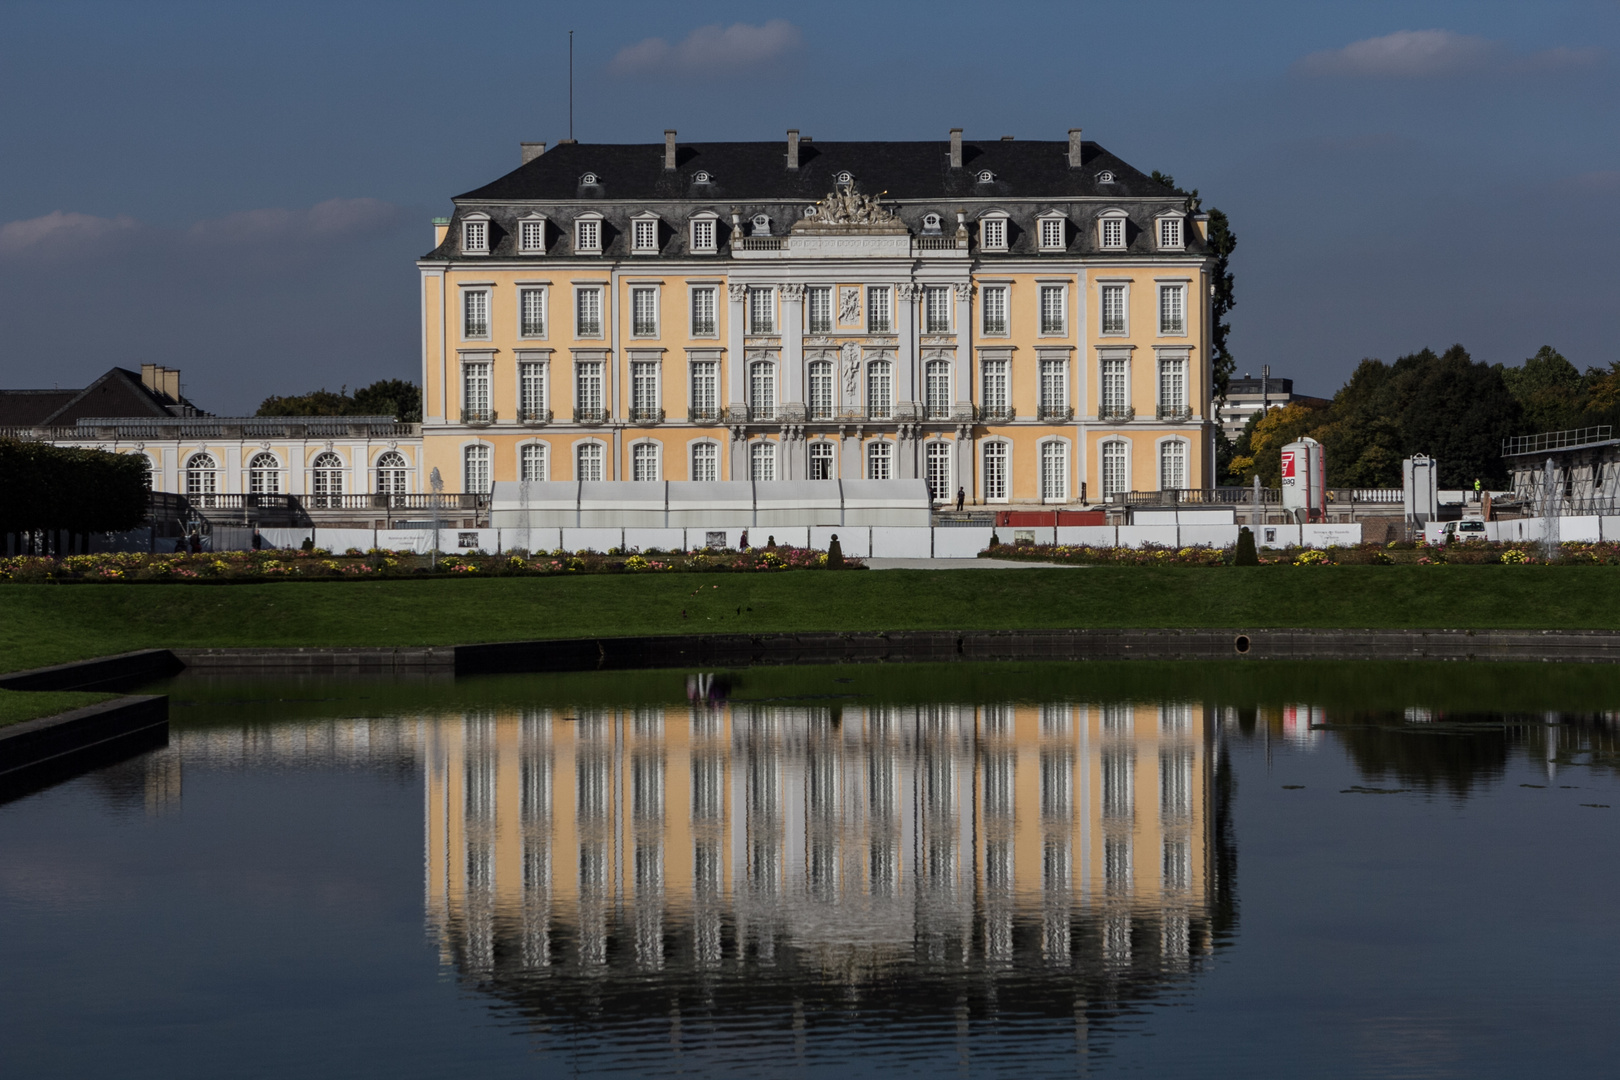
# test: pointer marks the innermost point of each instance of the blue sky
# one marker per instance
(240, 190)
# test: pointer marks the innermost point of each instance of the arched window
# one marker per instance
(1054, 471)
(937, 388)
(534, 464)
(879, 459)
(475, 470)
(880, 389)
(202, 479)
(1172, 465)
(1114, 456)
(391, 473)
(762, 390)
(762, 460)
(644, 461)
(822, 461)
(823, 389)
(995, 471)
(705, 462)
(326, 478)
(937, 470)
(264, 474)
(588, 461)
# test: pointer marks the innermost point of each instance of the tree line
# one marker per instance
(386, 397)
(1447, 405)
(45, 488)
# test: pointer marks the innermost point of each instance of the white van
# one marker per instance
(1463, 530)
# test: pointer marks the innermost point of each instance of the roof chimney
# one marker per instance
(669, 148)
(149, 378)
(171, 382)
(1074, 148)
(956, 148)
(531, 150)
(793, 148)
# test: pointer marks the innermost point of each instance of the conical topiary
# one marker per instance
(835, 554)
(1245, 555)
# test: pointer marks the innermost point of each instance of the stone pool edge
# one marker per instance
(34, 752)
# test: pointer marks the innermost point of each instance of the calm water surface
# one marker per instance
(1348, 870)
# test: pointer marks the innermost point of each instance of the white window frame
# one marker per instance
(1186, 458)
(880, 387)
(483, 293)
(1179, 289)
(710, 377)
(757, 367)
(602, 458)
(1044, 289)
(763, 452)
(1052, 390)
(713, 453)
(831, 455)
(694, 329)
(938, 393)
(821, 366)
(544, 455)
(583, 369)
(527, 225)
(633, 451)
(884, 297)
(1103, 363)
(580, 330)
(638, 291)
(651, 370)
(949, 310)
(475, 230)
(1065, 482)
(640, 226)
(588, 234)
(1124, 328)
(1004, 291)
(477, 380)
(878, 450)
(811, 296)
(996, 237)
(400, 473)
(540, 368)
(468, 452)
(1102, 466)
(256, 475)
(931, 452)
(762, 295)
(692, 240)
(1005, 449)
(1046, 224)
(1175, 365)
(1103, 231)
(1170, 231)
(524, 290)
(1001, 368)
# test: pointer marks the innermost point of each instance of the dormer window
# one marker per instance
(702, 177)
(931, 223)
(1111, 230)
(844, 179)
(1105, 177)
(993, 233)
(1054, 232)
(986, 177)
(644, 235)
(475, 234)
(588, 180)
(760, 225)
(1171, 234)
(532, 234)
(588, 235)
(705, 238)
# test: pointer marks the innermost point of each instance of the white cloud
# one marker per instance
(1420, 54)
(709, 50)
(330, 219)
(60, 229)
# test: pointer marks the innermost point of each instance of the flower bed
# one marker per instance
(1411, 553)
(238, 566)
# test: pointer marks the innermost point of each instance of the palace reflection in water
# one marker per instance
(830, 848)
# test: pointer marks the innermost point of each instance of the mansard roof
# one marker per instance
(119, 392)
(757, 171)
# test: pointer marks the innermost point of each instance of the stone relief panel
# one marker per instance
(849, 305)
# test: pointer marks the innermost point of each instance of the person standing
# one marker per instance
(961, 497)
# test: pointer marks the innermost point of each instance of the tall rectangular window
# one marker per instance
(762, 390)
(994, 308)
(1113, 233)
(590, 462)
(644, 389)
(818, 309)
(936, 310)
(995, 471)
(588, 313)
(1052, 234)
(761, 311)
(879, 389)
(645, 236)
(1052, 320)
(1114, 398)
(588, 237)
(475, 313)
(644, 312)
(1172, 385)
(705, 390)
(821, 461)
(762, 461)
(1113, 309)
(588, 387)
(533, 462)
(532, 312)
(937, 470)
(1054, 471)
(1054, 387)
(475, 473)
(704, 307)
(475, 391)
(705, 462)
(879, 315)
(1172, 466)
(644, 462)
(1169, 232)
(879, 459)
(531, 390)
(937, 388)
(475, 236)
(993, 234)
(1113, 467)
(1172, 309)
(703, 236)
(532, 236)
(994, 388)
(822, 390)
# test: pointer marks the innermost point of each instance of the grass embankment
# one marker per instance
(19, 705)
(46, 624)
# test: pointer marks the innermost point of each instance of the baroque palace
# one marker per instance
(1024, 322)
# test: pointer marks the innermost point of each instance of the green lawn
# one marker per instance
(46, 624)
(19, 705)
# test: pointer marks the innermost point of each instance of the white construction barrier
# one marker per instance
(901, 542)
(961, 542)
(1322, 536)
(855, 542)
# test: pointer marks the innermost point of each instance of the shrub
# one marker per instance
(1245, 554)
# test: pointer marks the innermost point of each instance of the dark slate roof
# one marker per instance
(758, 171)
(119, 392)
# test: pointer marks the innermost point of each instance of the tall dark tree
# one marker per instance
(1222, 242)
(1457, 411)
(1552, 393)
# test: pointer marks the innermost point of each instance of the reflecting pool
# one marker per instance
(1343, 869)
